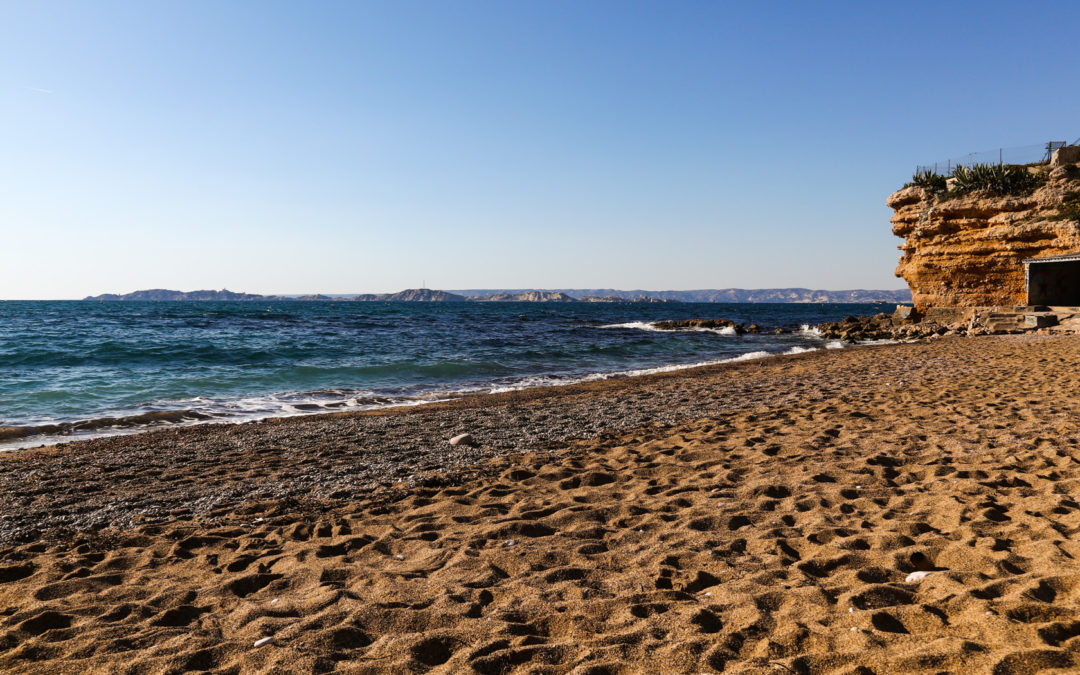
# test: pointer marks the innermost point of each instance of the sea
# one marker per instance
(77, 369)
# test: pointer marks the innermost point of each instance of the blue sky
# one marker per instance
(361, 147)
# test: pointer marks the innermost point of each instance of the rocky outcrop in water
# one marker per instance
(966, 250)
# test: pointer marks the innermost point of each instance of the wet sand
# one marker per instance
(761, 516)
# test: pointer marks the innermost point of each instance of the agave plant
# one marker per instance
(928, 180)
(998, 179)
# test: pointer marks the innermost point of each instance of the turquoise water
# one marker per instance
(93, 367)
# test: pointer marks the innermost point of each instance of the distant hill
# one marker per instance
(798, 295)
(525, 296)
(421, 295)
(160, 295)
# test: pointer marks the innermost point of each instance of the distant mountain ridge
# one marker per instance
(161, 294)
(733, 295)
(798, 295)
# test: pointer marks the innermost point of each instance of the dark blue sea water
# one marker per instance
(73, 369)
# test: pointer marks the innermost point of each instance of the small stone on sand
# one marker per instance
(463, 439)
(264, 641)
(916, 577)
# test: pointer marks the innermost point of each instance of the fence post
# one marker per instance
(1000, 162)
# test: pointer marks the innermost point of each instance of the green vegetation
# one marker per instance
(999, 179)
(1070, 207)
(928, 180)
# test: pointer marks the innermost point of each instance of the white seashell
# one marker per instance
(264, 641)
(916, 577)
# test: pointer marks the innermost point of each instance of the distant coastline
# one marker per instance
(723, 295)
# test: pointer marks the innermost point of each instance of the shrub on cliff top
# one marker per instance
(1069, 208)
(928, 180)
(998, 179)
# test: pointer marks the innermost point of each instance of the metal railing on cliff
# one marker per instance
(1025, 154)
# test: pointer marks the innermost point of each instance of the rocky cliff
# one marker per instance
(966, 250)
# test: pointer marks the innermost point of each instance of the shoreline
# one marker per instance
(895, 508)
(16, 437)
(591, 412)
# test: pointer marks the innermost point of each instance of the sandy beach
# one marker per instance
(895, 508)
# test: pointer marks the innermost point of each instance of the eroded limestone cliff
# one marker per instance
(966, 251)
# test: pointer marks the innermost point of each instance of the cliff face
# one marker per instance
(966, 251)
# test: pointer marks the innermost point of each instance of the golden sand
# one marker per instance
(778, 539)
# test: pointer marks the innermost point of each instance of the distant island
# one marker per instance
(733, 295)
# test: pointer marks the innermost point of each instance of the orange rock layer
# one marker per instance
(967, 251)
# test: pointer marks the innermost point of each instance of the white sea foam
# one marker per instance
(645, 325)
(748, 356)
(640, 325)
(807, 329)
(801, 350)
(547, 381)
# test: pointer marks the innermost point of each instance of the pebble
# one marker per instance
(399, 557)
(264, 641)
(916, 577)
(463, 439)
(510, 542)
(274, 601)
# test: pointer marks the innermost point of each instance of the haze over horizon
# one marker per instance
(275, 148)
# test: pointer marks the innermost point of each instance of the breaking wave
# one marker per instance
(651, 326)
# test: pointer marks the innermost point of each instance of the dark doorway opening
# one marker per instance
(1054, 281)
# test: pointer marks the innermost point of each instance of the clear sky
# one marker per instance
(294, 147)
